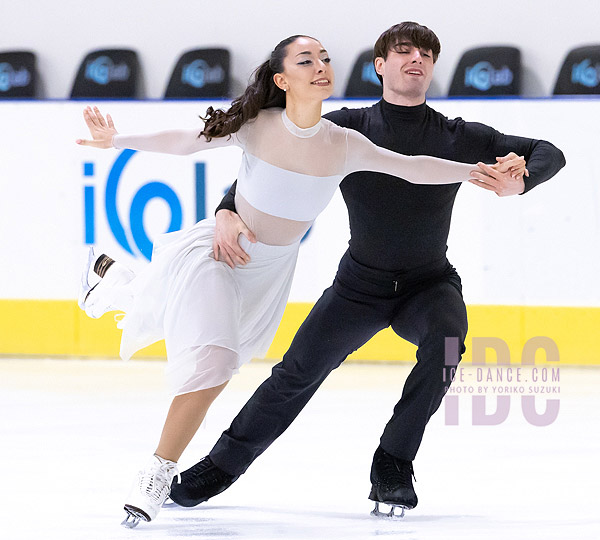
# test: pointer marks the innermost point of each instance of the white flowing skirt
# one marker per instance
(193, 301)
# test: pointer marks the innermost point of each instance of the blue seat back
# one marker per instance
(108, 73)
(200, 73)
(488, 71)
(580, 72)
(18, 75)
(363, 81)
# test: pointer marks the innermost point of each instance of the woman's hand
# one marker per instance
(512, 163)
(101, 130)
(492, 179)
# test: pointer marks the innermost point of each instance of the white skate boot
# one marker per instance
(96, 300)
(149, 491)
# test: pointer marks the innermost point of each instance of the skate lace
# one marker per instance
(398, 471)
(205, 474)
(155, 482)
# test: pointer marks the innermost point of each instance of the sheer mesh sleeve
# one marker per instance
(363, 155)
(176, 141)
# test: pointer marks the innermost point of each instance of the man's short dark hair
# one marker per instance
(420, 36)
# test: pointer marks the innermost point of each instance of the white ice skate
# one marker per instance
(149, 491)
(96, 300)
(84, 285)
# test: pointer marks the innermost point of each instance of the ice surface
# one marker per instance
(73, 433)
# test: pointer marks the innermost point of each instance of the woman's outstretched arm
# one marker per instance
(363, 155)
(177, 141)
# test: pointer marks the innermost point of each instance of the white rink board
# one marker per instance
(539, 249)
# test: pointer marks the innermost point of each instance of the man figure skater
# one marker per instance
(395, 273)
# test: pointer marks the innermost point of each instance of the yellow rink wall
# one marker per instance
(60, 328)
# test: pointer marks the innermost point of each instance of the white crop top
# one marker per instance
(289, 174)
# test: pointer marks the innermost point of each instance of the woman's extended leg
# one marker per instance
(211, 369)
(197, 376)
(185, 415)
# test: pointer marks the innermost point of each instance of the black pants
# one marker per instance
(423, 306)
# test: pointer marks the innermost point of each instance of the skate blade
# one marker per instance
(134, 516)
(130, 521)
(389, 515)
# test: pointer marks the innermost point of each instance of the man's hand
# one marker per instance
(505, 177)
(513, 163)
(225, 244)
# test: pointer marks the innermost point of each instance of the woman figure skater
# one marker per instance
(215, 318)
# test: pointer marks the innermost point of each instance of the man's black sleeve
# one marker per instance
(228, 202)
(340, 117)
(543, 159)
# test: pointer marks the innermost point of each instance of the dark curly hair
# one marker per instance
(261, 93)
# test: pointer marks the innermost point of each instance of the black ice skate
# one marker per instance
(200, 482)
(391, 480)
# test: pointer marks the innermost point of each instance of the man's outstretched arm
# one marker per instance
(543, 159)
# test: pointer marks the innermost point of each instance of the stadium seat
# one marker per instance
(580, 72)
(108, 73)
(18, 75)
(488, 71)
(200, 73)
(363, 80)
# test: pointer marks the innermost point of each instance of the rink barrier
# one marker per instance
(60, 328)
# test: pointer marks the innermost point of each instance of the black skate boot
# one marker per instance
(199, 483)
(391, 480)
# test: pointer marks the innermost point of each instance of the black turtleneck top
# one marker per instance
(398, 226)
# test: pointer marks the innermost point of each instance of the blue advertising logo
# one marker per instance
(199, 73)
(103, 70)
(9, 78)
(586, 74)
(483, 76)
(369, 74)
(149, 191)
